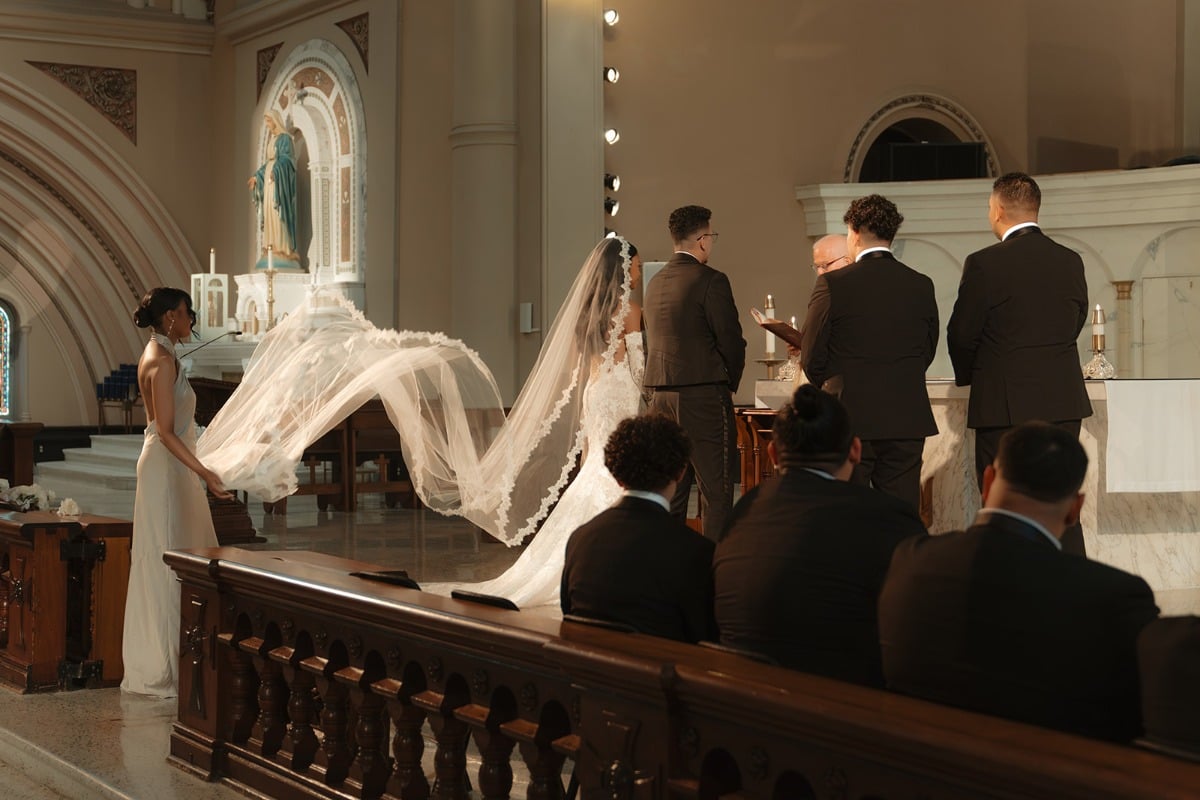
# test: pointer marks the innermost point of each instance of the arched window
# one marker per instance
(6, 325)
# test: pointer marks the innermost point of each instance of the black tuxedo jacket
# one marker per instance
(996, 619)
(693, 335)
(798, 573)
(1020, 307)
(635, 563)
(874, 325)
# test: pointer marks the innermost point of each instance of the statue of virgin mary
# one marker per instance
(273, 188)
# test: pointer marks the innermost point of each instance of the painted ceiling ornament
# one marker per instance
(359, 30)
(109, 90)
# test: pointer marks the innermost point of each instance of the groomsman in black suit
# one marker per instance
(695, 355)
(998, 619)
(798, 574)
(635, 563)
(871, 333)
(1012, 335)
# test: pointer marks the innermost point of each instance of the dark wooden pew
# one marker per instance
(298, 680)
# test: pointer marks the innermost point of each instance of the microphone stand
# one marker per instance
(213, 341)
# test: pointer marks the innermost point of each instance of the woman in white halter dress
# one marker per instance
(464, 456)
(170, 508)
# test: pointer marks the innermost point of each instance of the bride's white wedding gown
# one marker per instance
(612, 395)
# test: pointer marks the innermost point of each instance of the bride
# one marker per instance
(464, 456)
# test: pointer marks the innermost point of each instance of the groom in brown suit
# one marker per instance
(695, 354)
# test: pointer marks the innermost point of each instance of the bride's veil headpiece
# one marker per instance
(464, 456)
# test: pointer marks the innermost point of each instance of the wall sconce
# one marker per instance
(612, 182)
(611, 74)
(612, 136)
(611, 17)
(611, 207)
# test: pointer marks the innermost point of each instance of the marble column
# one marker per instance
(483, 143)
(19, 375)
(1124, 354)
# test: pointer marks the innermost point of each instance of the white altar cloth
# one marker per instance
(1153, 436)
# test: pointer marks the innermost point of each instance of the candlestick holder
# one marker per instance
(270, 298)
(1099, 368)
(771, 361)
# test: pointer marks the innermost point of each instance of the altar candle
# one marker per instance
(212, 261)
(794, 322)
(1098, 321)
(769, 311)
(270, 257)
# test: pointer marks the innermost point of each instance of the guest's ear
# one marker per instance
(855, 454)
(989, 477)
(772, 453)
(1074, 511)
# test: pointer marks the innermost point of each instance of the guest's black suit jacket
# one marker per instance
(874, 325)
(635, 563)
(996, 619)
(798, 572)
(1012, 336)
(693, 335)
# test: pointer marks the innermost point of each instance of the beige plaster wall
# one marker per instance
(733, 105)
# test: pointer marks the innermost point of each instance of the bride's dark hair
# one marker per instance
(159, 301)
(595, 327)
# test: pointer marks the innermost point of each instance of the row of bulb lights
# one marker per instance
(611, 135)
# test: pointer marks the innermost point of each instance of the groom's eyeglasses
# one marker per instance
(713, 236)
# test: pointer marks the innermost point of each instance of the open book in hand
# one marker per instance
(778, 327)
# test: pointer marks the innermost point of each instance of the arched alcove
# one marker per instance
(81, 238)
(315, 89)
(919, 120)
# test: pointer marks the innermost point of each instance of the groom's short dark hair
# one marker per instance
(646, 453)
(685, 221)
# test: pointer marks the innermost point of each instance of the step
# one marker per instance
(109, 477)
(84, 456)
(121, 444)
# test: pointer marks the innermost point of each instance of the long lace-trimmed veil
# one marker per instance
(464, 456)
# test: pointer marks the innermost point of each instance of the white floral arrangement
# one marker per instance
(68, 508)
(26, 498)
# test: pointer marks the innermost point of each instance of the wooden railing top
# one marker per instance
(901, 733)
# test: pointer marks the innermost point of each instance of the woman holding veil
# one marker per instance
(464, 457)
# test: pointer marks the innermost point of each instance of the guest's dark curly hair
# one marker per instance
(813, 430)
(1018, 190)
(875, 214)
(686, 221)
(646, 453)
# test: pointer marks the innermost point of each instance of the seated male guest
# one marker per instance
(798, 572)
(635, 563)
(998, 619)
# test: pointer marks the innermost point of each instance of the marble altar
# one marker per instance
(1152, 534)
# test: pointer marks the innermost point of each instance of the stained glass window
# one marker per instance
(5, 360)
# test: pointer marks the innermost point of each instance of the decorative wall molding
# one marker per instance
(263, 18)
(109, 90)
(265, 58)
(359, 30)
(104, 25)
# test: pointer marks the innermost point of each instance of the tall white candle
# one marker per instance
(769, 310)
(1098, 324)
(212, 261)
(270, 257)
(794, 322)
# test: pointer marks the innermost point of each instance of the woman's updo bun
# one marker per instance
(157, 302)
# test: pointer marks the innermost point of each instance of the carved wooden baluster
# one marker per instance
(495, 748)
(371, 766)
(335, 754)
(271, 726)
(408, 745)
(450, 761)
(545, 771)
(243, 689)
(302, 739)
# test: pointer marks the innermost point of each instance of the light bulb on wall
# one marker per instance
(612, 181)
(611, 17)
(611, 207)
(611, 74)
(612, 136)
